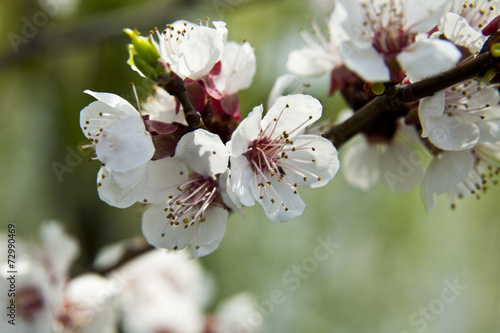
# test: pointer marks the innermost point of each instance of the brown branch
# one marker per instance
(397, 96)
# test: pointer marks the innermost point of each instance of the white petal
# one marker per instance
(457, 30)
(401, 168)
(164, 176)
(121, 189)
(444, 131)
(242, 179)
(291, 114)
(197, 53)
(430, 112)
(246, 132)
(204, 152)
(449, 170)
(365, 61)
(279, 86)
(311, 61)
(60, 250)
(423, 15)
(455, 134)
(428, 57)
(490, 131)
(114, 101)
(125, 144)
(238, 68)
(228, 196)
(281, 203)
(155, 223)
(318, 163)
(361, 165)
(163, 107)
(210, 233)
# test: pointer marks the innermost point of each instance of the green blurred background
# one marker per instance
(393, 259)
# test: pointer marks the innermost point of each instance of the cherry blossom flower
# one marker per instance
(395, 161)
(271, 156)
(238, 66)
(463, 173)
(388, 39)
(87, 306)
(321, 54)
(170, 298)
(191, 50)
(452, 118)
(42, 270)
(187, 208)
(117, 133)
(234, 313)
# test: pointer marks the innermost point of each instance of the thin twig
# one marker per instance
(396, 97)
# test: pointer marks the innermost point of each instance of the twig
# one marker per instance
(396, 97)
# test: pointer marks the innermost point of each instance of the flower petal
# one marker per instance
(246, 132)
(241, 180)
(361, 165)
(125, 144)
(121, 189)
(165, 176)
(122, 106)
(430, 112)
(401, 167)
(155, 224)
(204, 152)
(238, 68)
(314, 161)
(209, 234)
(428, 57)
(291, 114)
(281, 202)
(364, 60)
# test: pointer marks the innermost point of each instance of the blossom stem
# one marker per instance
(175, 87)
(395, 97)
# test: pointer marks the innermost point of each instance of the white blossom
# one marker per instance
(238, 66)
(187, 208)
(191, 50)
(270, 157)
(117, 133)
(395, 162)
(452, 118)
(388, 38)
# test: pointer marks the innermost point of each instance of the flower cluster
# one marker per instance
(448, 142)
(171, 297)
(187, 154)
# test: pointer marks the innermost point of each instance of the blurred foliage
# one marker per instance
(393, 257)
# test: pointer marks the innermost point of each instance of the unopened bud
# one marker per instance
(143, 55)
(488, 76)
(495, 50)
(378, 88)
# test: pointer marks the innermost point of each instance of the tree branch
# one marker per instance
(399, 95)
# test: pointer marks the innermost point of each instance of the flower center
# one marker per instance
(29, 301)
(384, 26)
(190, 204)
